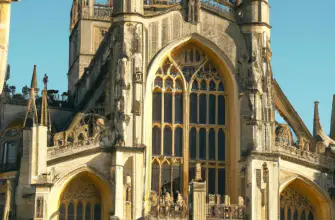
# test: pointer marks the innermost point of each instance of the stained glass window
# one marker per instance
(204, 102)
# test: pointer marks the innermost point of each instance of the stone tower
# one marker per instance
(4, 38)
(260, 167)
(89, 23)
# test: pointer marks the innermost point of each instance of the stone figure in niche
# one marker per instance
(138, 46)
(255, 70)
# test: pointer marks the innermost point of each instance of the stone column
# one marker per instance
(117, 169)
(4, 38)
(9, 199)
(198, 196)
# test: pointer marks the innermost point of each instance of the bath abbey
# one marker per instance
(171, 113)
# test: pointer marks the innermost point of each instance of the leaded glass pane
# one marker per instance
(193, 143)
(202, 144)
(222, 181)
(212, 86)
(295, 215)
(203, 85)
(282, 214)
(80, 211)
(156, 107)
(211, 144)
(195, 86)
(211, 109)
(303, 215)
(168, 83)
(191, 173)
(310, 216)
(166, 178)
(221, 110)
(178, 142)
(178, 84)
(70, 211)
(61, 212)
(167, 141)
(159, 82)
(289, 214)
(168, 107)
(179, 108)
(97, 212)
(221, 87)
(88, 212)
(211, 180)
(193, 108)
(176, 180)
(221, 145)
(156, 141)
(202, 109)
(155, 177)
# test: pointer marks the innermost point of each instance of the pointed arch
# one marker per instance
(227, 72)
(317, 197)
(98, 179)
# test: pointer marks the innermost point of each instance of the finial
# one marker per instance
(34, 80)
(317, 124)
(45, 81)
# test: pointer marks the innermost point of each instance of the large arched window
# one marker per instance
(188, 122)
(80, 200)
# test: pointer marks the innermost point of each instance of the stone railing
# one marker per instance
(222, 8)
(306, 156)
(215, 209)
(161, 2)
(99, 11)
(165, 207)
(69, 149)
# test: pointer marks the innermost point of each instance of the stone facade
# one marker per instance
(170, 114)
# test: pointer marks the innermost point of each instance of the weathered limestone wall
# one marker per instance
(289, 170)
(24, 196)
(262, 186)
(4, 38)
(89, 35)
(169, 27)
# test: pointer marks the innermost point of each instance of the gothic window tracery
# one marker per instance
(294, 206)
(80, 200)
(189, 112)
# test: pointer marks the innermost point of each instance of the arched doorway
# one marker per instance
(301, 199)
(81, 199)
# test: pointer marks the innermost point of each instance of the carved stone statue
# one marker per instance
(198, 172)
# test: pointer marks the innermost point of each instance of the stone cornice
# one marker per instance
(113, 149)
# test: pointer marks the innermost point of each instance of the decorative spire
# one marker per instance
(317, 124)
(33, 79)
(332, 122)
(32, 110)
(318, 133)
(44, 108)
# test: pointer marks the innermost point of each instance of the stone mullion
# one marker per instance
(186, 150)
(162, 121)
(173, 121)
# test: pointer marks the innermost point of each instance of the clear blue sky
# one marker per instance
(302, 44)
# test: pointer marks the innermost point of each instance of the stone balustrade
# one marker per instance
(70, 149)
(217, 209)
(316, 159)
